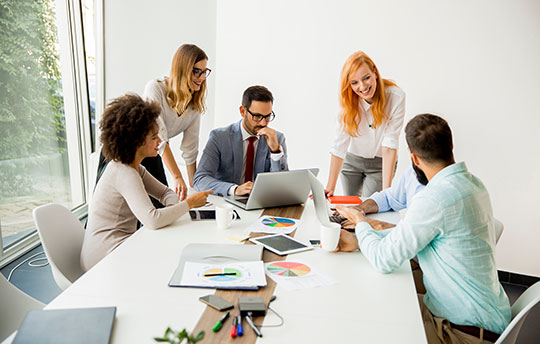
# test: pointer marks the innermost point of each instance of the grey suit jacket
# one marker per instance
(221, 163)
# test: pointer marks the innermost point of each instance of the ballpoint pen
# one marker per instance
(220, 322)
(239, 326)
(233, 328)
(252, 325)
(221, 274)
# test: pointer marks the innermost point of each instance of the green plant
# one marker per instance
(174, 337)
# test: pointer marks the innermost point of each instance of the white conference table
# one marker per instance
(364, 306)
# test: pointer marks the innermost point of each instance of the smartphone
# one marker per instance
(197, 214)
(216, 302)
(315, 242)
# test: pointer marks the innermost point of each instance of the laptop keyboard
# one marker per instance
(336, 218)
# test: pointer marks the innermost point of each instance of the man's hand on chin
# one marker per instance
(271, 139)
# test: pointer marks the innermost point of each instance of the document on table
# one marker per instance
(297, 275)
(274, 225)
(232, 275)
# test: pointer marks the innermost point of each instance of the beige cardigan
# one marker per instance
(120, 198)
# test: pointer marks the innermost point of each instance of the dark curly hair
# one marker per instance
(126, 122)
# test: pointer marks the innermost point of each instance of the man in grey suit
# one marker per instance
(235, 154)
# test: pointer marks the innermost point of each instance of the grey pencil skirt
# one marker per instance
(361, 176)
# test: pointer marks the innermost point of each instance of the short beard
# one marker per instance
(420, 175)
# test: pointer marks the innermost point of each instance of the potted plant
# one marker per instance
(173, 337)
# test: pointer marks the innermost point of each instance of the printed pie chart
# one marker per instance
(278, 222)
(289, 269)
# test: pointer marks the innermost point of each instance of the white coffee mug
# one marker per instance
(330, 236)
(224, 215)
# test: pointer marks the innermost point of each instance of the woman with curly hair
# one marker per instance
(366, 142)
(129, 134)
(181, 97)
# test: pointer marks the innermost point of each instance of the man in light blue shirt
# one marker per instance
(449, 226)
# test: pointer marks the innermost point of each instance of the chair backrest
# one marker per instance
(499, 228)
(62, 236)
(520, 310)
(13, 307)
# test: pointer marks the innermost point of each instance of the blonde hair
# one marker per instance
(350, 115)
(179, 94)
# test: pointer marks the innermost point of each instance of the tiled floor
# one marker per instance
(39, 283)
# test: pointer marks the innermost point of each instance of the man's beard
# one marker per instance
(420, 175)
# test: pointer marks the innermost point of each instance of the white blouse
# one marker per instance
(369, 141)
(170, 124)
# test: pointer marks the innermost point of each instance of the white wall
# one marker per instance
(473, 62)
(141, 38)
(476, 63)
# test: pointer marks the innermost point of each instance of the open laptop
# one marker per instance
(276, 189)
(322, 206)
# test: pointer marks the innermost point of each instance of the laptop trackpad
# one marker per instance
(243, 200)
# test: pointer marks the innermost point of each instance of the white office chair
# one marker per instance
(499, 228)
(13, 307)
(61, 235)
(520, 310)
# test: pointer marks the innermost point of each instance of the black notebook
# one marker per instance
(59, 326)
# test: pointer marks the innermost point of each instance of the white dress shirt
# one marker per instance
(369, 141)
(170, 124)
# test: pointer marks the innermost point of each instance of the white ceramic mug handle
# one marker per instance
(233, 218)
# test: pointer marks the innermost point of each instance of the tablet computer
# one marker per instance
(281, 244)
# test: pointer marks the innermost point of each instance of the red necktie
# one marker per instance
(250, 155)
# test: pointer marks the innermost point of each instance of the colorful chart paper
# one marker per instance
(243, 275)
(274, 225)
(289, 269)
(296, 275)
(278, 222)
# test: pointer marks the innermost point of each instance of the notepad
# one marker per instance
(67, 326)
(344, 199)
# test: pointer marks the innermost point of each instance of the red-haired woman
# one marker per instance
(367, 137)
(181, 97)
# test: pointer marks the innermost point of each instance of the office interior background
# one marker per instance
(474, 63)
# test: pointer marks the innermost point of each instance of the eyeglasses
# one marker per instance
(258, 117)
(197, 72)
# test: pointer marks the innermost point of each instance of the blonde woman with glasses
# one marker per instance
(181, 96)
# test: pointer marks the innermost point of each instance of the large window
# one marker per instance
(44, 119)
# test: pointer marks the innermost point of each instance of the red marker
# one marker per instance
(233, 328)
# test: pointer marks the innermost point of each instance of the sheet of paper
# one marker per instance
(226, 275)
(296, 275)
(274, 225)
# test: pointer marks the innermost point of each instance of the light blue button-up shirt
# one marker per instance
(449, 226)
(399, 194)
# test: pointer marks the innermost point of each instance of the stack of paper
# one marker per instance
(234, 267)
